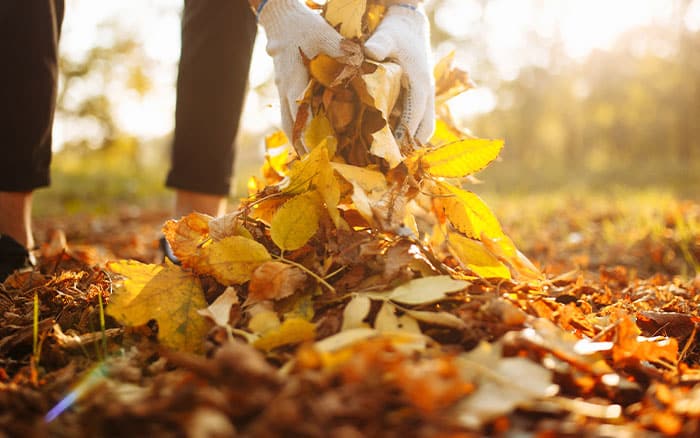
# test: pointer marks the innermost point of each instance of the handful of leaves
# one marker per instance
(354, 217)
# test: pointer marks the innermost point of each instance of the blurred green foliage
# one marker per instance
(627, 117)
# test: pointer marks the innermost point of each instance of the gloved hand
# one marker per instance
(403, 36)
(290, 27)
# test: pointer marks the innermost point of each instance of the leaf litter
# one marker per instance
(360, 290)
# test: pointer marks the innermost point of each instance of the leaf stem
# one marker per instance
(307, 270)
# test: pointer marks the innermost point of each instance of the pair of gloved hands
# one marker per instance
(402, 37)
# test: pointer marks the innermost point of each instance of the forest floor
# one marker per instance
(607, 345)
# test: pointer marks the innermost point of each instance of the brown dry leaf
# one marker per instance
(187, 235)
(449, 81)
(227, 226)
(629, 345)
(167, 294)
(274, 281)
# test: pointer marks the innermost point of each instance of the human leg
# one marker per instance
(29, 33)
(217, 43)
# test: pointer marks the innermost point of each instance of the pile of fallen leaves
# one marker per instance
(359, 291)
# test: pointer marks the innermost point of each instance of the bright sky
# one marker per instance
(584, 25)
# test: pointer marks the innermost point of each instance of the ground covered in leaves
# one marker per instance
(608, 349)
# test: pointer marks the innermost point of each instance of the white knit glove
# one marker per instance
(290, 27)
(404, 37)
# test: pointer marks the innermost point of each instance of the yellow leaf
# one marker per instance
(384, 145)
(167, 294)
(292, 331)
(384, 86)
(426, 290)
(318, 131)
(264, 320)
(348, 14)
(325, 69)
(468, 213)
(303, 172)
(231, 260)
(186, 235)
(462, 158)
(328, 187)
(476, 257)
(444, 134)
(369, 180)
(296, 222)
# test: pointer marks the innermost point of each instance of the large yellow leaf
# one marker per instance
(231, 260)
(348, 14)
(476, 257)
(444, 134)
(291, 331)
(467, 212)
(167, 294)
(461, 158)
(296, 221)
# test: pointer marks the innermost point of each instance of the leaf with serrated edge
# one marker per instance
(355, 312)
(231, 260)
(167, 294)
(426, 290)
(461, 158)
(476, 257)
(296, 222)
(468, 213)
(348, 14)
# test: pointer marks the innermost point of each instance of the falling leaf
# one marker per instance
(355, 312)
(348, 15)
(231, 260)
(274, 281)
(296, 222)
(461, 158)
(220, 310)
(426, 290)
(476, 257)
(167, 294)
(291, 331)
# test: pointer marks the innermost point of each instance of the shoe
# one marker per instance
(168, 251)
(13, 256)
